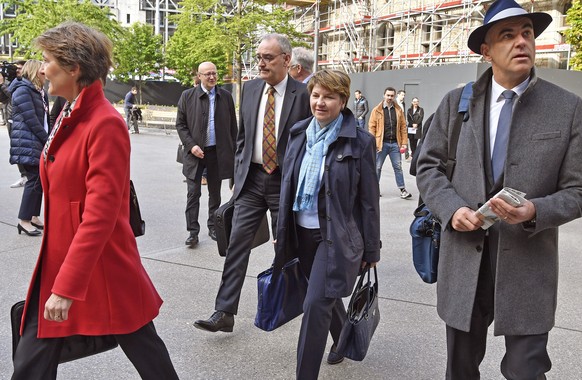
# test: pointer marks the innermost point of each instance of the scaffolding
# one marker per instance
(372, 35)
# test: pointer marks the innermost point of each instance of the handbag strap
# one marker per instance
(359, 285)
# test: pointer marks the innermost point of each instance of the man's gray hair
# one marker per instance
(282, 41)
(304, 57)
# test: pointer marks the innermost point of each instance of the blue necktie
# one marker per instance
(500, 148)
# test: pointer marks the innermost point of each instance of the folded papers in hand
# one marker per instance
(514, 197)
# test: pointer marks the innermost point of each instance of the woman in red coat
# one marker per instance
(89, 279)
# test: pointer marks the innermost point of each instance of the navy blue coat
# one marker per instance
(349, 211)
(28, 135)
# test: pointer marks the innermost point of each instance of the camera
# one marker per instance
(8, 71)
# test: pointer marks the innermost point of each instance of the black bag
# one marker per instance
(362, 319)
(74, 347)
(281, 295)
(425, 229)
(180, 154)
(137, 223)
(426, 239)
(223, 226)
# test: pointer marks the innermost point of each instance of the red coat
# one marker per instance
(88, 252)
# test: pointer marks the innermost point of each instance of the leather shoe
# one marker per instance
(333, 357)
(192, 241)
(219, 321)
(212, 233)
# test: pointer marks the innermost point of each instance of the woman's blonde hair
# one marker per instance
(73, 44)
(30, 71)
(334, 80)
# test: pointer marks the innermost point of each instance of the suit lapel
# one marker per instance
(287, 105)
(256, 93)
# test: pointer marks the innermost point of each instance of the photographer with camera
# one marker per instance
(10, 71)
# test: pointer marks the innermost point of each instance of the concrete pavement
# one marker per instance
(409, 343)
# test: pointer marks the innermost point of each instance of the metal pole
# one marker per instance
(316, 41)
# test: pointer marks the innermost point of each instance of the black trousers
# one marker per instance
(320, 313)
(38, 359)
(413, 142)
(526, 356)
(259, 194)
(32, 194)
(210, 162)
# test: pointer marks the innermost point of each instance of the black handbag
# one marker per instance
(281, 295)
(135, 220)
(74, 347)
(223, 227)
(425, 231)
(363, 316)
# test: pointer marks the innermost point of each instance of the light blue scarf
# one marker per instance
(318, 141)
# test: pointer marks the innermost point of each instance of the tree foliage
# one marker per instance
(33, 17)
(210, 31)
(138, 52)
(574, 33)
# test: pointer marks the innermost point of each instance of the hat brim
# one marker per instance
(539, 20)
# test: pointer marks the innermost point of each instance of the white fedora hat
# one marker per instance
(502, 10)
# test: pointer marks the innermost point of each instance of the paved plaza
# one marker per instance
(409, 343)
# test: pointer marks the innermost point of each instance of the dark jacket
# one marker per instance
(415, 117)
(295, 108)
(361, 107)
(28, 136)
(192, 125)
(348, 203)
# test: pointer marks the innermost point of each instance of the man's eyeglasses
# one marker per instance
(293, 66)
(267, 58)
(210, 74)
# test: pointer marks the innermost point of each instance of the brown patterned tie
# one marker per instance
(269, 138)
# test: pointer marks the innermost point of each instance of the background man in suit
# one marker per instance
(206, 124)
(508, 273)
(301, 68)
(261, 143)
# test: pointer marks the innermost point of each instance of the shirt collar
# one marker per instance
(384, 105)
(497, 89)
(279, 87)
(209, 92)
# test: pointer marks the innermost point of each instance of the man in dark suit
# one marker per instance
(269, 107)
(206, 124)
(523, 133)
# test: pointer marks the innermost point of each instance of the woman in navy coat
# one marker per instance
(30, 129)
(328, 213)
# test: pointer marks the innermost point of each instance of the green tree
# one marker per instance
(208, 31)
(33, 17)
(138, 53)
(574, 33)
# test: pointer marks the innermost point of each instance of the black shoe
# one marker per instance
(39, 226)
(212, 233)
(34, 232)
(192, 241)
(334, 357)
(219, 321)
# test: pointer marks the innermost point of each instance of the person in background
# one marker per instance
(5, 97)
(301, 67)
(206, 124)
(360, 108)
(89, 279)
(388, 124)
(414, 116)
(400, 99)
(526, 134)
(29, 133)
(334, 232)
(129, 102)
(270, 105)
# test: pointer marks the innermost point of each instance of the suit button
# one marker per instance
(328, 242)
(51, 158)
(326, 168)
(328, 192)
(479, 248)
(328, 217)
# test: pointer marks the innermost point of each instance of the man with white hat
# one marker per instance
(523, 133)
